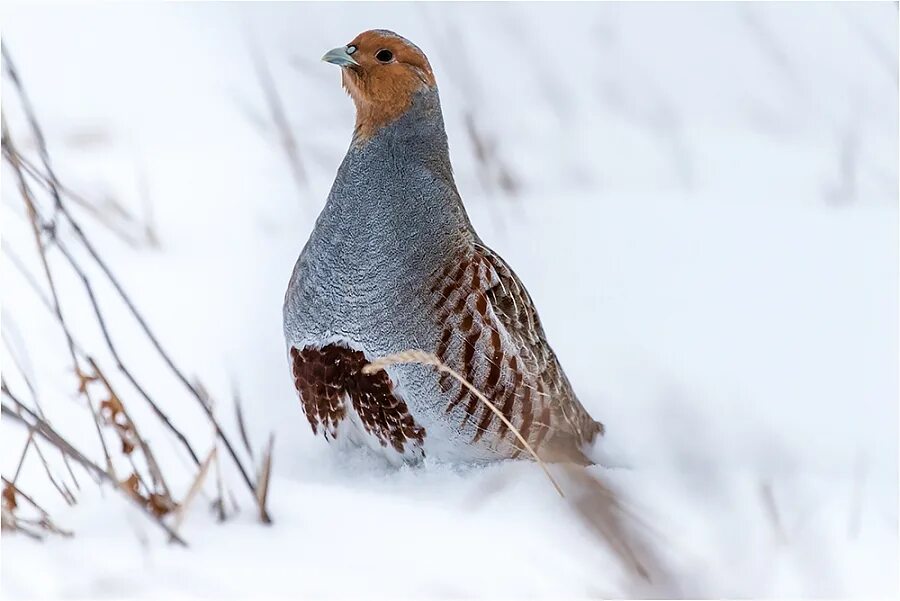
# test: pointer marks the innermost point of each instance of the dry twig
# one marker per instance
(23, 415)
(593, 501)
(262, 483)
(279, 117)
(12, 157)
(195, 488)
(60, 208)
(12, 521)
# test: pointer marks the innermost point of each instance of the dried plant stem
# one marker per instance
(12, 157)
(28, 442)
(767, 496)
(61, 489)
(219, 504)
(155, 472)
(23, 271)
(239, 416)
(18, 365)
(70, 499)
(262, 483)
(279, 117)
(102, 218)
(115, 354)
(171, 364)
(60, 486)
(13, 522)
(113, 351)
(423, 358)
(19, 492)
(62, 209)
(33, 421)
(195, 488)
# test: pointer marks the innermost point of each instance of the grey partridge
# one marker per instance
(393, 263)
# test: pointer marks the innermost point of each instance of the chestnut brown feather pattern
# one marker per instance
(393, 264)
(493, 337)
(325, 378)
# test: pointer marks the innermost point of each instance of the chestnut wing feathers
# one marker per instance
(492, 335)
(330, 377)
(571, 424)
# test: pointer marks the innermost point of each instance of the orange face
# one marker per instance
(381, 71)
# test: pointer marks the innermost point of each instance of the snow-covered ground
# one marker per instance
(705, 214)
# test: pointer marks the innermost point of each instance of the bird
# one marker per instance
(393, 263)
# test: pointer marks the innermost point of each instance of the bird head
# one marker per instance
(382, 72)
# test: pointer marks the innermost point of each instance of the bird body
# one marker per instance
(394, 264)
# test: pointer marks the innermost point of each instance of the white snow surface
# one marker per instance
(706, 218)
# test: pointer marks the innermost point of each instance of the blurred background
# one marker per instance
(702, 199)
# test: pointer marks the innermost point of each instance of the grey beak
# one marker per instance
(339, 57)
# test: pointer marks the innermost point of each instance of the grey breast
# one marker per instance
(392, 219)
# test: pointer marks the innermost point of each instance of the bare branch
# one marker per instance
(62, 209)
(12, 157)
(155, 472)
(114, 352)
(46, 431)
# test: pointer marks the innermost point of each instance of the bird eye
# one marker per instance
(384, 55)
(351, 49)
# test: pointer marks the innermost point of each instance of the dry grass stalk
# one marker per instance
(767, 497)
(114, 411)
(23, 415)
(50, 182)
(279, 117)
(239, 416)
(218, 504)
(14, 356)
(600, 509)
(12, 158)
(194, 490)
(13, 522)
(423, 358)
(492, 171)
(593, 501)
(115, 354)
(262, 483)
(60, 486)
(28, 442)
(28, 277)
(149, 226)
(491, 167)
(114, 217)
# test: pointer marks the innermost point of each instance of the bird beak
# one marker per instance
(339, 57)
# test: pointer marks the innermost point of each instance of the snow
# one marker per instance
(707, 222)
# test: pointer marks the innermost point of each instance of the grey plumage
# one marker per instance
(394, 264)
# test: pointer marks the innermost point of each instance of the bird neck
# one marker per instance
(403, 169)
(420, 126)
(395, 191)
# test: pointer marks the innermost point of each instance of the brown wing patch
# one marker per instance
(325, 378)
(492, 336)
(318, 379)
